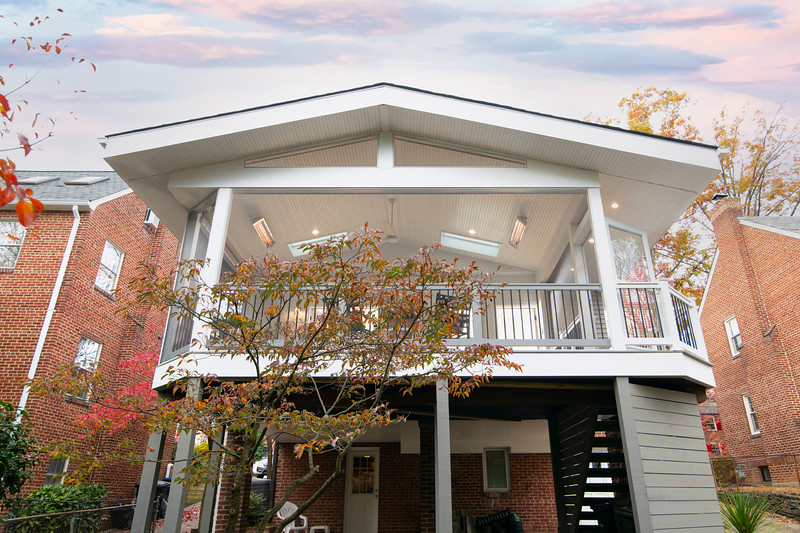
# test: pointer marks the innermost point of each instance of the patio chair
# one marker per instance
(288, 509)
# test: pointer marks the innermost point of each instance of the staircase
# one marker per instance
(591, 464)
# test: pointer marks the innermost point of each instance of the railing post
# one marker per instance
(476, 320)
(669, 326)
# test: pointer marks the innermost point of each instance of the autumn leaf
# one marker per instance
(24, 142)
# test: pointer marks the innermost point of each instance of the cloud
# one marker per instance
(636, 16)
(622, 59)
(164, 24)
(374, 17)
(510, 43)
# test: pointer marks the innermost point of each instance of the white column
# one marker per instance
(385, 150)
(606, 270)
(215, 251)
(145, 497)
(444, 483)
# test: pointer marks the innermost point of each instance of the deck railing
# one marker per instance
(656, 316)
(541, 316)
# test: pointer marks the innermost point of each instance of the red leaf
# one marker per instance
(94, 68)
(26, 145)
(60, 10)
(4, 106)
(26, 213)
(58, 50)
(66, 35)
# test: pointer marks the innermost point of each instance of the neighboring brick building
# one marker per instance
(58, 303)
(751, 323)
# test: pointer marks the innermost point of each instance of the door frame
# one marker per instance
(349, 480)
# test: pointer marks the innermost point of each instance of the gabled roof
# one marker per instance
(57, 188)
(784, 225)
(637, 170)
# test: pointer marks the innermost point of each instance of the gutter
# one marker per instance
(51, 308)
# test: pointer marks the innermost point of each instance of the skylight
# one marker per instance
(296, 247)
(36, 180)
(470, 244)
(87, 180)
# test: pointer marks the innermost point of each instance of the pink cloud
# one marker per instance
(166, 25)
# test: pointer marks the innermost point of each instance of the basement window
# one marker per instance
(496, 474)
(765, 475)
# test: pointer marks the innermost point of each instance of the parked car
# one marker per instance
(260, 468)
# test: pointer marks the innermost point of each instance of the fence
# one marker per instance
(59, 516)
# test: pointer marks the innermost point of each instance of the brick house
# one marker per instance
(751, 322)
(58, 305)
(605, 409)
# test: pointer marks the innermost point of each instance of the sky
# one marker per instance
(159, 61)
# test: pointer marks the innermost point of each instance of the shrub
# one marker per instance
(724, 472)
(745, 512)
(60, 498)
(256, 509)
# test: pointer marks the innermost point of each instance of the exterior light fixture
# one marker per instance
(591, 240)
(469, 244)
(263, 231)
(519, 229)
(315, 231)
(472, 231)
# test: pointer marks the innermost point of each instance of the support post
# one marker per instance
(633, 457)
(444, 498)
(145, 497)
(606, 270)
(209, 506)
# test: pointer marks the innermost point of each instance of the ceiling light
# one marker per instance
(468, 244)
(472, 231)
(591, 240)
(519, 229)
(315, 231)
(263, 231)
(297, 248)
(614, 205)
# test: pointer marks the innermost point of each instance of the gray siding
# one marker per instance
(677, 475)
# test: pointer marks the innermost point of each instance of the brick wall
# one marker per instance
(399, 509)
(82, 310)
(757, 279)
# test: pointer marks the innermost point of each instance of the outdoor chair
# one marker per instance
(288, 509)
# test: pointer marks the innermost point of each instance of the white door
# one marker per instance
(361, 496)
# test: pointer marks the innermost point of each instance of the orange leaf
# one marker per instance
(26, 145)
(3, 106)
(26, 213)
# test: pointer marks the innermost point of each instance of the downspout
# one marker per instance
(51, 309)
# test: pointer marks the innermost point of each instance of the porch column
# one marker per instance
(209, 506)
(145, 497)
(633, 455)
(215, 250)
(606, 270)
(444, 483)
(184, 451)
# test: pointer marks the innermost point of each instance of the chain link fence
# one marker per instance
(51, 516)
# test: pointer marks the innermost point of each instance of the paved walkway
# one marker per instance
(785, 528)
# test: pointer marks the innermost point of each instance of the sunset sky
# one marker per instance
(168, 60)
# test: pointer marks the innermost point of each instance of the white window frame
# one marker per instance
(111, 272)
(734, 335)
(750, 411)
(507, 453)
(53, 477)
(12, 244)
(610, 223)
(86, 358)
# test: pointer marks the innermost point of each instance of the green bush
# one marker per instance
(724, 472)
(60, 498)
(256, 508)
(745, 512)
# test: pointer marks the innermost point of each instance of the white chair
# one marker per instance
(288, 509)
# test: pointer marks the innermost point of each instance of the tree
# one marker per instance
(13, 108)
(18, 453)
(759, 163)
(327, 336)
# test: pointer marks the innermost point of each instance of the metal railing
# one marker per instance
(656, 316)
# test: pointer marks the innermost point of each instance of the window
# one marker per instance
(631, 257)
(734, 337)
(712, 423)
(495, 470)
(765, 475)
(714, 448)
(85, 362)
(751, 415)
(55, 470)
(110, 264)
(11, 235)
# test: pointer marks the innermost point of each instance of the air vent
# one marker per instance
(150, 219)
(87, 180)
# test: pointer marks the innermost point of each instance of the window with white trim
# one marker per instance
(110, 265)
(496, 473)
(85, 363)
(734, 336)
(751, 414)
(12, 234)
(55, 471)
